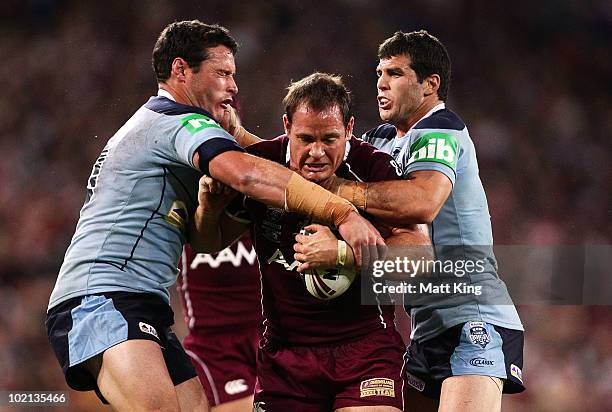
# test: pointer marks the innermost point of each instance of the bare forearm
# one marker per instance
(400, 202)
(413, 245)
(275, 185)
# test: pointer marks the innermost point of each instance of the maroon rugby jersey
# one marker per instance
(221, 290)
(292, 315)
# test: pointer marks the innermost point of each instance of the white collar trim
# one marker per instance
(166, 94)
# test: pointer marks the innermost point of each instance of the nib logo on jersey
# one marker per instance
(435, 147)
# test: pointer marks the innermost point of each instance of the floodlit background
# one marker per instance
(532, 80)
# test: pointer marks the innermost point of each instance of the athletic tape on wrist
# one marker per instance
(341, 259)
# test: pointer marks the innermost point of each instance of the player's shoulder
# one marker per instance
(441, 119)
(163, 105)
(273, 149)
(365, 162)
(362, 152)
(385, 131)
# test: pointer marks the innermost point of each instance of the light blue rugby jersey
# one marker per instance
(462, 230)
(140, 195)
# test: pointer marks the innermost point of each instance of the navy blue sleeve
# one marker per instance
(214, 147)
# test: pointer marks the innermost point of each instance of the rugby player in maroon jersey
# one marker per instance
(315, 355)
(221, 299)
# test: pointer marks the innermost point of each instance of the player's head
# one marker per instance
(319, 122)
(197, 61)
(414, 70)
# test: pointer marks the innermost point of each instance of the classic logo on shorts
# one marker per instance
(235, 386)
(415, 382)
(481, 362)
(377, 387)
(516, 372)
(146, 328)
(178, 216)
(478, 334)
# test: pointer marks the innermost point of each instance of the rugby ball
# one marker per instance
(326, 284)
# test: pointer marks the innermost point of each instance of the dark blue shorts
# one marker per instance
(84, 327)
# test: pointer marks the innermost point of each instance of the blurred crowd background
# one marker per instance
(532, 80)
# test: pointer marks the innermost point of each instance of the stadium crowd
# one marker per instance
(532, 82)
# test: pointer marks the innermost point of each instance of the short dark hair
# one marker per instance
(319, 91)
(189, 40)
(427, 53)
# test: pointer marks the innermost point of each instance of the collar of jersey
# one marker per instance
(166, 94)
(434, 109)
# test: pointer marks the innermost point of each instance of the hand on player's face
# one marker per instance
(317, 250)
(212, 194)
(230, 121)
(367, 243)
(318, 141)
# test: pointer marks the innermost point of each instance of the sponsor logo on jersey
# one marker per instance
(481, 362)
(178, 215)
(278, 257)
(259, 407)
(377, 387)
(235, 386)
(435, 147)
(478, 334)
(415, 382)
(146, 328)
(271, 224)
(516, 372)
(227, 255)
(197, 122)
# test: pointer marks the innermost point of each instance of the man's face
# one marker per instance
(399, 92)
(317, 141)
(213, 87)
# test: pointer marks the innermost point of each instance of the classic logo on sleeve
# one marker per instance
(377, 387)
(435, 147)
(197, 122)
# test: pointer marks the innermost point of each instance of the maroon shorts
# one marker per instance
(367, 372)
(225, 362)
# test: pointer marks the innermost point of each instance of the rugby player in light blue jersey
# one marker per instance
(108, 319)
(465, 348)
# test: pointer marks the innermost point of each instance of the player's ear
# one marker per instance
(432, 84)
(287, 124)
(349, 127)
(179, 65)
